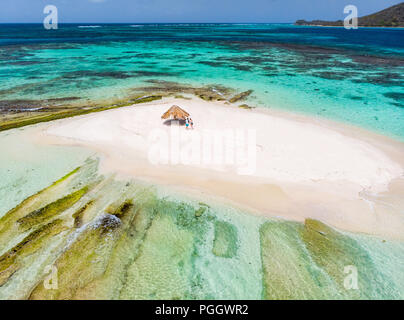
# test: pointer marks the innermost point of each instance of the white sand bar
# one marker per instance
(303, 168)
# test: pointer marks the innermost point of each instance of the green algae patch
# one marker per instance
(10, 261)
(334, 252)
(164, 265)
(311, 260)
(78, 215)
(245, 106)
(121, 209)
(200, 211)
(12, 214)
(83, 261)
(144, 255)
(225, 242)
(288, 271)
(128, 248)
(22, 122)
(8, 222)
(52, 209)
(179, 96)
(95, 263)
(64, 178)
(148, 99)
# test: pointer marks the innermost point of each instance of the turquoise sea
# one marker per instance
(354, 76)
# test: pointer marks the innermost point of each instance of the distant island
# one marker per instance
(390, 17)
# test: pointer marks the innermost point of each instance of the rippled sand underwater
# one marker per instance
(114, 239)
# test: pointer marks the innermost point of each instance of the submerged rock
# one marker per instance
(245, 106)
(240, 96)
(225, 243)
(106, 222)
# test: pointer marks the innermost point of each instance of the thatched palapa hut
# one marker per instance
(176, 113)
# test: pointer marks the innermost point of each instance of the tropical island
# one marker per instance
(159, 161)
(390, 17)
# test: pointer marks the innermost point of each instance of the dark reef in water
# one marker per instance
(21, 105)
(116, 74)
(398, 96)
(222, 64)
(385, 79)
(357, 98)
(25, 63)
(99, 74)
(330, 75)
(392, 61)
(145, 73)
(213, 63)
(209, 93)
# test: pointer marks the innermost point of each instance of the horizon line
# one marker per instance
(152, 22)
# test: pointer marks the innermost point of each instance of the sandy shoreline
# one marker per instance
(305, 168)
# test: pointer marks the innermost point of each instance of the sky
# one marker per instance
(192, 11)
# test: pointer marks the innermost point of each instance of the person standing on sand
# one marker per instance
(186, 123)
(192, 123)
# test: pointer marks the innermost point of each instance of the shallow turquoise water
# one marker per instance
(351, 76)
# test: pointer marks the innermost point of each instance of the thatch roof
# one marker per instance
(175, 112)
